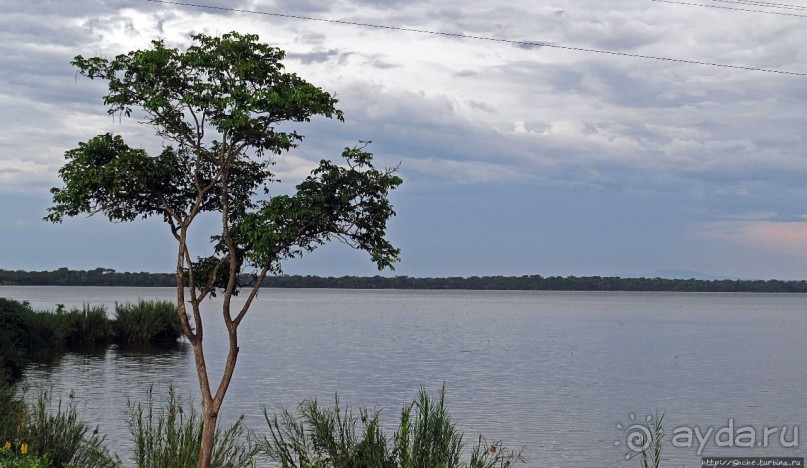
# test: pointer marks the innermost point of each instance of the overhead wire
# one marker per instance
(721, 7)
(784, 6)
(482, 38)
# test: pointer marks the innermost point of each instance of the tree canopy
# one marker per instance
(218, 106)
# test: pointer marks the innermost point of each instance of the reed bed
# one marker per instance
(25, 332)
(332, 437)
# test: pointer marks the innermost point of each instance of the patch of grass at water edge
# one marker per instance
(171, 434)
(332, 437)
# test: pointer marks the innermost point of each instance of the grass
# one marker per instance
(25, 332)
(147, 321)
(651, 454)
(329, 437)
(170, 436)
(40, 434)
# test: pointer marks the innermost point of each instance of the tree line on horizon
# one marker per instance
(109, 277)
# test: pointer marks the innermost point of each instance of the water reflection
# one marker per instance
(155, 354)
(105, 379)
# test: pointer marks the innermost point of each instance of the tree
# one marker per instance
(217, 106)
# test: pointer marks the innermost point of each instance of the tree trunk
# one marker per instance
(209, 418)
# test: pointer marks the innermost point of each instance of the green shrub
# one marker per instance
(171, 435)
(16, 455)
(86, 328)
(63, 438)
(28, 333)
(327, 438)
(14, 337)
(35, 331)
(323, 437)
(39, 435)
(147, 321)
(12, 413)
(11, 360)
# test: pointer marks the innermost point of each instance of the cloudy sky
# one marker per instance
(516, 159)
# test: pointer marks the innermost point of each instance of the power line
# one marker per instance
(783, 6)
(720, 7)
(482, 38)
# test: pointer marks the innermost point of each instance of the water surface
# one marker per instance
(554, 372)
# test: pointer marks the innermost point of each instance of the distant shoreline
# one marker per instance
(108, 277)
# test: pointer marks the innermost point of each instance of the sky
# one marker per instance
(517, 159)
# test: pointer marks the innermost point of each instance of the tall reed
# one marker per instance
(40, 432)
(328, 438)
(86, 327)
(651, 454)
(147, 321)
(169, 436)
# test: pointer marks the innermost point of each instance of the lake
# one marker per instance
(564, 374)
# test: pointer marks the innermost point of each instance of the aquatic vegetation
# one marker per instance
(171, 435)
(327, 437)
(27, 332)
(147, 321)
(44, 434)
(651, 454)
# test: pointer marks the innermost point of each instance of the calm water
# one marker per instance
(552, 371)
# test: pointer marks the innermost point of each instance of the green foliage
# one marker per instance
(97, 277)
(86, 327)
(325, 437)
(25, 332)
(651, 454)
(13, 338)
(350, 204)
(219, 103)
(328, 438)
(11, 359)
(233, 83)
(40, 435)
(147, 321)
(170, 436)
(12, 413)
(39, 331)
(434, 440)
(12, 457)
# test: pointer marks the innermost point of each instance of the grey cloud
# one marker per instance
(319, 56)
(482, 106)
(614, 33)
(418, 126)
(311, 38)
(383, 65)
(55, 12)
(465, 73)
(42, 31)
(388, 4)
(296, 7)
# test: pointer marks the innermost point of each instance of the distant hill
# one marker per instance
(108, 277)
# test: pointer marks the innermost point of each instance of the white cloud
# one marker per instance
(458, 111)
